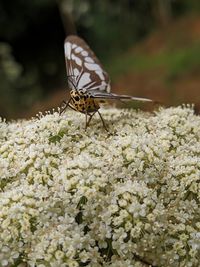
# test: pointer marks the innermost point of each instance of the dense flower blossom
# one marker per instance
(128, 198)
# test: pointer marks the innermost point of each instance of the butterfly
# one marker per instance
(88, 82)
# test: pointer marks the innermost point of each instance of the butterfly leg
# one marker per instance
(62, 109)
(91, 115)
(88, 121)
(104, 125)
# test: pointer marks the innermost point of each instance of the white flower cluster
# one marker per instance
(128, 198)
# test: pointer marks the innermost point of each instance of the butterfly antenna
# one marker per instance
(71, 81)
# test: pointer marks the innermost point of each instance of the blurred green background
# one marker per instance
(150, 48)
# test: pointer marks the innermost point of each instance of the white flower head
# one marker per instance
(71, 197)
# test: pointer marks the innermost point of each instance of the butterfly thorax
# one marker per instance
(82, 101)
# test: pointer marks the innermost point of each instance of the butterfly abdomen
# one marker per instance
(83, 102)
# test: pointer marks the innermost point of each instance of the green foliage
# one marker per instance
(183, 60)
(16, 19)
(109, 26)
(57, 137)
(176, 62)
(15, 86)
(10, 72)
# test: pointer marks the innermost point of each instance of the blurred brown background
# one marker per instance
(150, 48)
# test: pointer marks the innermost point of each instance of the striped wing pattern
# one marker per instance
(85, 72)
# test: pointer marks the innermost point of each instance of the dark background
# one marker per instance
(150, 48)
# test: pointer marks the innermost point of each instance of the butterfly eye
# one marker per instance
(77, 98)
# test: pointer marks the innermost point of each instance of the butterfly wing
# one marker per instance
(84, 70)
(105, 95)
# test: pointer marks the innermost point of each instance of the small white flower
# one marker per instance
(72, 263)
(4, 262)
(70, 196)
(70, 252)
(122, 203)
(59, 254)
(84, 256)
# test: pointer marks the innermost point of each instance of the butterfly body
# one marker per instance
(88, 82)
(83, 102)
